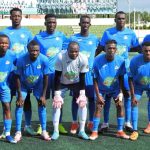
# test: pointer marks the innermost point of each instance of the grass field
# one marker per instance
(106, 141)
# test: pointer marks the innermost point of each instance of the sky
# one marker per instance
(139, 5)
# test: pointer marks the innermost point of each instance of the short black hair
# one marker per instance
(111, 42)
(119, 12)
(3, 35)
(147, 43)
(15, 9)
(32, 43)
(73, 43)
(84, 16)
(50, 16)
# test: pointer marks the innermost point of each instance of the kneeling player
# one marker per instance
(108, 80)
(70, 69)
(32, 74)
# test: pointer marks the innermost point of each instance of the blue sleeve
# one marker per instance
(95, 70)
(135, 41)
(104, 39)
(46, 66)
(132, 69)
(65, 42)
(18, 70)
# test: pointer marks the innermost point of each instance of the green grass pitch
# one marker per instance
(106, 141)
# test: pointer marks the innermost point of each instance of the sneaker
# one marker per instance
(30, 131)
(3, 136)
(74, 127)
(45, 136)
(39, 130)
(94, 135)
(62, 129)
(10, 139)
(122, 134)
(18, 136)
(147, 129)
(104, 127)
(134, 136)
(90, 125)
(55, 136)
(83, 135)
(128, 127)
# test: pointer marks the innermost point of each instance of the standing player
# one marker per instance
(70, 70)
(32, 74)
(108, 80)
(19, 38)
(51, 43)
(126, 41)
(7, 59)
(88, 44)
(139, 81)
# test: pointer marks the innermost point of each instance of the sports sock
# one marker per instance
(42, 116)
(82, 117)
(96, 122)
(7, 125)
(134, 113)
(120, 122)
(18, 114)
(56, 116)
(127, 105)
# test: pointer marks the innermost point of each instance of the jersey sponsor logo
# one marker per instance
(7, 62)
(11, 33)
(109, 81)
(32, 79)
(18, 48)
(52, 51)
(145, 80)
(104, 66)
(3, 76)
(121, 49)
(72, 76)
(27, 65)
(85, 53)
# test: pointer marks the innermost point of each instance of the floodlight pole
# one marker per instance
(129, 11)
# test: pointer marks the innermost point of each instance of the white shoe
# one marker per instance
(104, 127)
(128, 127)
(18, 136)
(45, 136)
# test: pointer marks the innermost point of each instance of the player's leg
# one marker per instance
(28, 115)
(5, 99)
(134, 116)
(120, 115)
(147, 129)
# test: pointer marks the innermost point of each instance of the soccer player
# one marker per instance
(51, 43)
(19, 38)
(7, 59)
(70, 69)
(32, 74)
(88, 44)
(108, 71)
(139, 81)
(126, 41)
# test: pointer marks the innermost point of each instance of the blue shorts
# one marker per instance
(50, 88)
(89, 87)
(139, 92)
(5, 95)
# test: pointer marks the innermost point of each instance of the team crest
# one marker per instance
(3, 76)
(22, 36)
(90, 42)
(7, 62)
(57, 38)
(125, 37)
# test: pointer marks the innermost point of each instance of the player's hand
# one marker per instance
(100, 100)
(134, 101)
(19, 102)
(42, 101)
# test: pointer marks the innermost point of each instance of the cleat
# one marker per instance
(94, 135)
(122, 134)
(55, 136)
(147, 129)
(62, 129)
(30, 131)
(18, 136)
(90, 125)
(10, 139)
(74, 128)
(128, 127)
(134, 136)
(39, 130)
(104, 127)
(83, 135)
(3, 136)
(45, 136)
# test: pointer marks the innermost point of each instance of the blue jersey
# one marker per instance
(140, 71)
(7, 65)
(107, 73)
(31, 72)
(19, 38)
(125, 40)
(87, 45)
(51, 45)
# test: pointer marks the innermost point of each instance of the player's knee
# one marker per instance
(6, 108)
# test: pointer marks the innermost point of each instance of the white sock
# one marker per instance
(7, 133)
(82, 112)
(56, 116)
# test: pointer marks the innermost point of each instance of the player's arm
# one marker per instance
(82, 81)
(121, 83)
(57, 80)
(99, 49)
